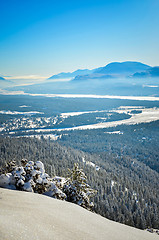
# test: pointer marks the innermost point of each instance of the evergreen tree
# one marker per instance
(76, 188)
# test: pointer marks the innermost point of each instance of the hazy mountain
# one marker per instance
(123, 68)
(71, 74)
(152, 72)
(2, 79)
(5, 80)
(115, 69)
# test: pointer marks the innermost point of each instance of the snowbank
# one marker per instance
(25, 215)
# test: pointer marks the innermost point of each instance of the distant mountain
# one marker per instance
(2, 79)
(113, 70)
(123, 68)
(71, 74)
(152, 72)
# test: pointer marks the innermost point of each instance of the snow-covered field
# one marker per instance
(24, 106)
(121, 109)
(72, 114)
(151, 86)
(142, 115)
(115, 132)
(139, 98)
(26, 216)
(19, 113)
(147, 115)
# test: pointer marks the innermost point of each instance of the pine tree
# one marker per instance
(76, 188)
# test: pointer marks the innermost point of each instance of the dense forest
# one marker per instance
(127, 189)
(138, 142)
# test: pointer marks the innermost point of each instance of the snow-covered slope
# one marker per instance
(25, 215)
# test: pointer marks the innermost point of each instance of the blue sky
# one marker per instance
(45, 37)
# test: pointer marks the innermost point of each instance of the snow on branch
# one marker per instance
(31, 177)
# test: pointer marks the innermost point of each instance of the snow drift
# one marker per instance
(25, 215)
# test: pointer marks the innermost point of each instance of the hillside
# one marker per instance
(33, 216)
(127, 189)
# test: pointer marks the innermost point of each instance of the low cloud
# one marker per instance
(33, 77)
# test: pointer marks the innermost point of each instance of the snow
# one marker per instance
(151, 86)
(29, 166)
(40, 166)
(31, 177)
(25, 215)
(72, 114)
(60, 181)
(47, 120)
(101, 118)
(24, 106)
(146, 115)
(114, 132)
(97, 168)
(17, 113)
(130, 107)
(28, 186)
(90, 164)
(1, 129)
(53, 191)
(139, 98)
(53, 137)
(113, 183)
(5, 180)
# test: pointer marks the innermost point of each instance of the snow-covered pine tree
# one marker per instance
(76, 188)
(31, 177)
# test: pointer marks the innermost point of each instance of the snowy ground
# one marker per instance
(72, 114)
(140, 98)
(137, 115)
(28, 216)
(147, 115)
(19, 113)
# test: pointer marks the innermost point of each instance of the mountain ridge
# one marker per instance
(64, 75)
(2, 79)
(111, 70)
(123, 67)
(115, 70)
